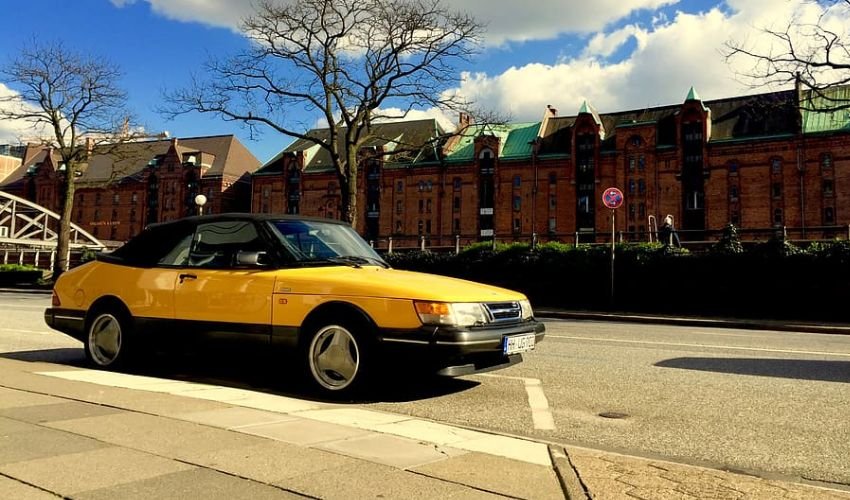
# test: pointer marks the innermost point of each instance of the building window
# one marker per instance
(826, 161)
(82, 199)
(827, 187)
(457, 226)
(115, 215)
(398, 207)
(96, 215)
(428, 226)
(641, 210)
(517, 203)
(735, 218)
(641, 163)
(429, 185)
(553, 178)
(421, 186)
(456, 183)
(116, 198)
(695, 200)
(641, 186)
(631, 165)
(399, 186)
(398, 227)
(733, 193)
(456, 204)
(635, 140)
(584, 205)
(97, 199)
(631, 186)
(517, 181)
(553, 202)
(421, 225)
(777, 216)
(776, 166)
(733, 168)
(631, 211)
(552, 225)
(776, 189)
(133, 215)
(421, 206)
(517, 226)
(829, 215)
(428, 206)
(134, 198)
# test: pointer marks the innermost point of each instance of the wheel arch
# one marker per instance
(107, 302)
(328, 311)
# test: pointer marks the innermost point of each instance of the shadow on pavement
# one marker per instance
(259, 371)
(828, 371)
(64, 356)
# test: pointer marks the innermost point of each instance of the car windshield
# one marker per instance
(322, 242)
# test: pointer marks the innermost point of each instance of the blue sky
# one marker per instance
(618, 54)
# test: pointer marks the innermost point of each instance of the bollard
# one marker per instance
(390, 245)
(457, 244)
(494, 243)
(422, 243)
(533, 240)
(576, 239)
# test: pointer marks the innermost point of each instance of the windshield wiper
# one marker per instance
(356, 260)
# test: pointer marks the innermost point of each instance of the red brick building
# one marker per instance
(763, 162)
(126, 186)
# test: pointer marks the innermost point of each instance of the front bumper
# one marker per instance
(455, 351)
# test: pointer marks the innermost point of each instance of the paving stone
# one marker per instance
(11, 398)
(106, 467)
(497, 474)
(391, 450)
(40, 443)
(197, 483)
(228, 418)
(60, 411)
(11, 489)
(158, 435)
(271, 461)
(303, 432)
(368, 480)
(11, 426)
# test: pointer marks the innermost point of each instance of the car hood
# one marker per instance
(374, 281)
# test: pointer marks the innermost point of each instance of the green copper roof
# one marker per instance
(514, 139)
(819, 114)
(692, 95)
(585, 108)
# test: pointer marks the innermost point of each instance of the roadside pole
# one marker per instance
(613, 199)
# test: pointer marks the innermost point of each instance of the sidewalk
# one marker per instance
(87, 434)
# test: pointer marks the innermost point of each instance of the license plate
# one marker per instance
(518, 343)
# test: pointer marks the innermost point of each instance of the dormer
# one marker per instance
(694, 111)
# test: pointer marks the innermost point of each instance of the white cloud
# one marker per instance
(506, 20)
(16, 131)
(669, 58)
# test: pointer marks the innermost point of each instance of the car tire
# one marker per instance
(337, 358)
(109, 338)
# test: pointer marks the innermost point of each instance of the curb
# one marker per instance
(833, 329)
(567, 474)
(43, 291)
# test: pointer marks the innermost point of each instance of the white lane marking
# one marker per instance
(708, 346)
(540, 414)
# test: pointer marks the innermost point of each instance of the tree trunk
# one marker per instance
(63, 245)
(349, 190)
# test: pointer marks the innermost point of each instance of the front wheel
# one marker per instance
(108, 339)
(337, 358)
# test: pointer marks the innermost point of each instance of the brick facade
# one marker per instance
(746, 160)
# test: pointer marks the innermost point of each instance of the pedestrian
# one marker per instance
(668, 234)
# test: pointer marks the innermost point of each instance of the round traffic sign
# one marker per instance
(612, 198)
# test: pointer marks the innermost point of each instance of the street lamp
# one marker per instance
(200, 200)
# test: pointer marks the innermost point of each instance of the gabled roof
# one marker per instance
(409, 142)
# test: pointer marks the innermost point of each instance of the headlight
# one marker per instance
(527, 313)
(444, 313)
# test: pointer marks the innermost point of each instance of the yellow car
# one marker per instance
(307, 284)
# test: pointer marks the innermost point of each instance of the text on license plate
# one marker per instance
(518, 343)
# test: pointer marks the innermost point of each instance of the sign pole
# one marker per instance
(613, 243)
(613, 198)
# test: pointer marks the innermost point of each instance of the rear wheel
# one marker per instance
(338, 357)
(109, 338)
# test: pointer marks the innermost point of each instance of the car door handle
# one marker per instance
(187, 277)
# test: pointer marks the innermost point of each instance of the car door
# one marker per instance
(217, 296)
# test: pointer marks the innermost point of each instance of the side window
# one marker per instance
(179, 255)
(216, 244)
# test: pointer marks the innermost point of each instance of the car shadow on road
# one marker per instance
(800, 369)
(261, 372)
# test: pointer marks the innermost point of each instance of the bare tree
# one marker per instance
(815, 55)
(343, 61)
(72, 98)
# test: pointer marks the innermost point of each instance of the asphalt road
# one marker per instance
(769, 403)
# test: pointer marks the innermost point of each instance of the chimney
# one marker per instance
(464, 120)
(174, 142)
(552, 111)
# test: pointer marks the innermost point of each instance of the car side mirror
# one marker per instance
(251, 258)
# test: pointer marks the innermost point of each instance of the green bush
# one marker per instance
(16, 267)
